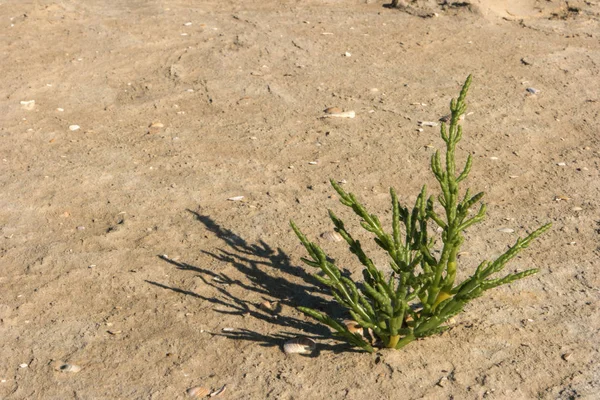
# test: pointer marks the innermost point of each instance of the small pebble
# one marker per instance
(576, 209)
(347, 54)
(235, 198)
(81, 228)
(532, 90)
(566, 356)
(561, 164)
(74, 127)
(60, 109)
(506, 230)
(227, 329)
(23, 365)
(187, 24)
(313, 162)
(493, 158)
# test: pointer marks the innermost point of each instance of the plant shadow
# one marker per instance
(273, 277)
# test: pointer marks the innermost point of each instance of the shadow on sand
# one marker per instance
(272, 276)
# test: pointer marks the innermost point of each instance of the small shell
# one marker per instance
(236, 198)
(198, 392)
(333, 110)
(74, 127)
(299, 345)
(69, 368)
(353, 327)
(157, 124)
(506, 230)
(332, 236)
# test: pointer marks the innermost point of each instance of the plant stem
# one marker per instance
(393, 342)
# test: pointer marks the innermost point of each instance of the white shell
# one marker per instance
(69, 368)
(506, 230)
(332, 236)
(299, 345)
(236, 198)
(198, 392)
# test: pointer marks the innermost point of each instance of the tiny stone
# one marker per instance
(577, 209)
(23, 365)
(506, 230)
(81, 228)
(561, 164)
(74, 127)
(60, 109)
(566, 356)
(313, 162)
(347, 54)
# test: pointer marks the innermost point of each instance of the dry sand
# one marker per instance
(236, 91)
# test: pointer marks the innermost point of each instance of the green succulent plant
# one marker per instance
(420, 294)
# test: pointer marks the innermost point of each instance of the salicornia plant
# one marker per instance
(420, 294)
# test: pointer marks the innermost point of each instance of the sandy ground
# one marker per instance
(121, 254)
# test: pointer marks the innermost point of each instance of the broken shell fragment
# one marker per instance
(299, 345)
(69, 368)
(354, 327)
(506, 230)
(28, 104)
(332, 236)
(198, 392)
(345, 114)
(272, 307)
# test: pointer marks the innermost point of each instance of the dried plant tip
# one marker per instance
(198, 392)
(299, 345)
(219, 391)
(333, 110)
(332, 236)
